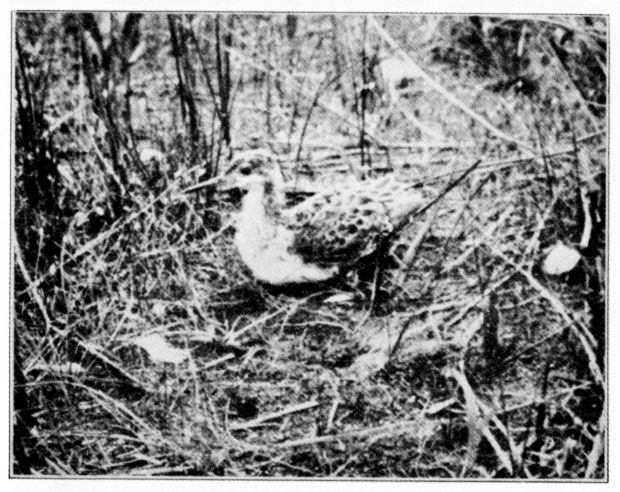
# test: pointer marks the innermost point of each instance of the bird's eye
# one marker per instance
(245, 170)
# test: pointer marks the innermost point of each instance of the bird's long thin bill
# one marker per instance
(203, 184)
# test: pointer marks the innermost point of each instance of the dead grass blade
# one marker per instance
(477, 424)
(419, 426)
(274, 415)
(598, 446)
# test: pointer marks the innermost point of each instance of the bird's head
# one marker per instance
(252, 170)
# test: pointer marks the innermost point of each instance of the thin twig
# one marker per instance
(449, 187)
(402, 427)
(274, 415)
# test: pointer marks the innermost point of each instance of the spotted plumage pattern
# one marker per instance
(344, 224)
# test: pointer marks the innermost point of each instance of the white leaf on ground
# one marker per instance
(159, 350)
(159, 309)
(560, 259)
(367, 364)
(340, 298)
(147, 155)
(379, 344)
(81, 218)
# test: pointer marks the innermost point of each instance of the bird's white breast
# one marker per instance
(264, 247)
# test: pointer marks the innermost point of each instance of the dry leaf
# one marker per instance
(148, 155)
(159, 350)
(159, 309)
(379, 344)
(340, 298)
(560, 259)
(368, 364)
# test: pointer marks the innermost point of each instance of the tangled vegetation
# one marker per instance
(142, 346)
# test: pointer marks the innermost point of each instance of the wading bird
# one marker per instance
(319, 238)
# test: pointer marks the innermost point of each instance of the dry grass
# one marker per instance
(305, 384)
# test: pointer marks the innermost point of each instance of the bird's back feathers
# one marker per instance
(342, 225)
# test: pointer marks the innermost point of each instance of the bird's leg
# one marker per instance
(375, 294)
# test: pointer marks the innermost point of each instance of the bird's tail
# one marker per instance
(406, 204)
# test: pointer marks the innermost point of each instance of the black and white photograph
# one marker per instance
(309, 245)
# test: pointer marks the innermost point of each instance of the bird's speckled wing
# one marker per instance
(342, 225)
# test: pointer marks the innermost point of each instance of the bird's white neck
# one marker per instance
(256, 217)
(261, 203)
(253, 202)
